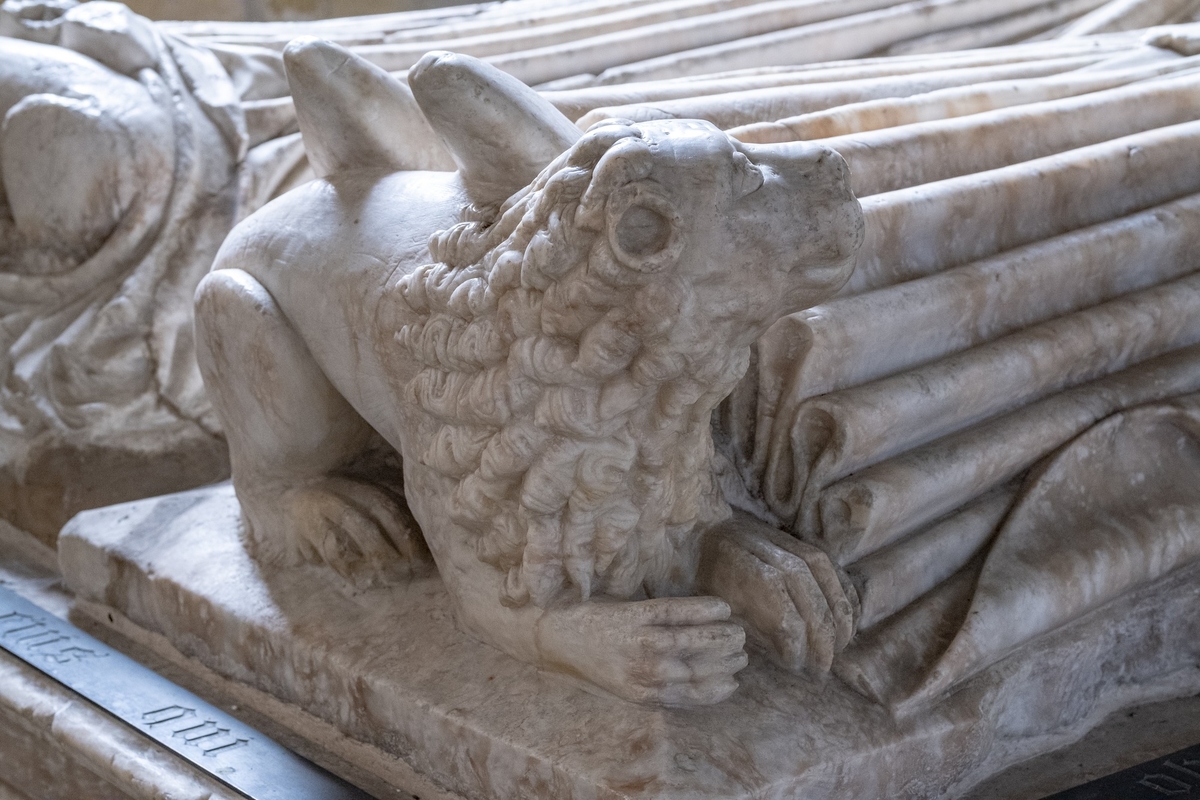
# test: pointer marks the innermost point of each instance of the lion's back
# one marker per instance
(342, 237)
(329, 253)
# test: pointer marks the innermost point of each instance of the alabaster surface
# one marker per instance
(835, 433)
(387, 666)
(496, 385)
(129, 154)
(539, 392)
(103, 396)
(522, 379)
(613, 42)
(120, 168)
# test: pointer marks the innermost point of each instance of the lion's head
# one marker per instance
(575, 343)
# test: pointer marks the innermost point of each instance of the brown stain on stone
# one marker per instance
(62, 478)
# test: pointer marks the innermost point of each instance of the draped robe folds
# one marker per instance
(992, 430)
(1027, 280)
(101, 399)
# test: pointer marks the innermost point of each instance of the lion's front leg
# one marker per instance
(796, 606)
(669, 651)
(291, 437)
(680, 651)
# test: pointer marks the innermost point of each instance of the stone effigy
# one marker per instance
(937, 448)
(627, 215)
(514, 436)
(129, 154)
(607, 42)
(103, 400)
(973, 459)
(121, 151)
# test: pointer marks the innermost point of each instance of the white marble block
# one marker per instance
(386, 666)
(648, 461)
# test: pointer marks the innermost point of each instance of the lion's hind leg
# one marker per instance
(292, 439)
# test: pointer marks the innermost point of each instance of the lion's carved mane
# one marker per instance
(574, 408)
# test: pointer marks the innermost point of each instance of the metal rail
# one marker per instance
(211, 740)
(1176, 775)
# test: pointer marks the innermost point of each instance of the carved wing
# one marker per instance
(459, 113)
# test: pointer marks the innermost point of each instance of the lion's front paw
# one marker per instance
(789, 594)
(670, 651)
(358, 529)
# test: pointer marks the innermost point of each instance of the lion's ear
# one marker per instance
(500, 132)
(645, 231)
(354, 115)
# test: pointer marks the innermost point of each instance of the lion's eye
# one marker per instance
(747, 178)
(643, 231)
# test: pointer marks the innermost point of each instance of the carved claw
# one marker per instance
(358, 529)
(680, 651)
(795, 605)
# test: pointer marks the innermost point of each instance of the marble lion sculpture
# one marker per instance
(540, 337)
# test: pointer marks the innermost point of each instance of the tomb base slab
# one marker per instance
(387, 668)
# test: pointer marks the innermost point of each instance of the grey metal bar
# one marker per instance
(1176, 775)
(218, 744)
